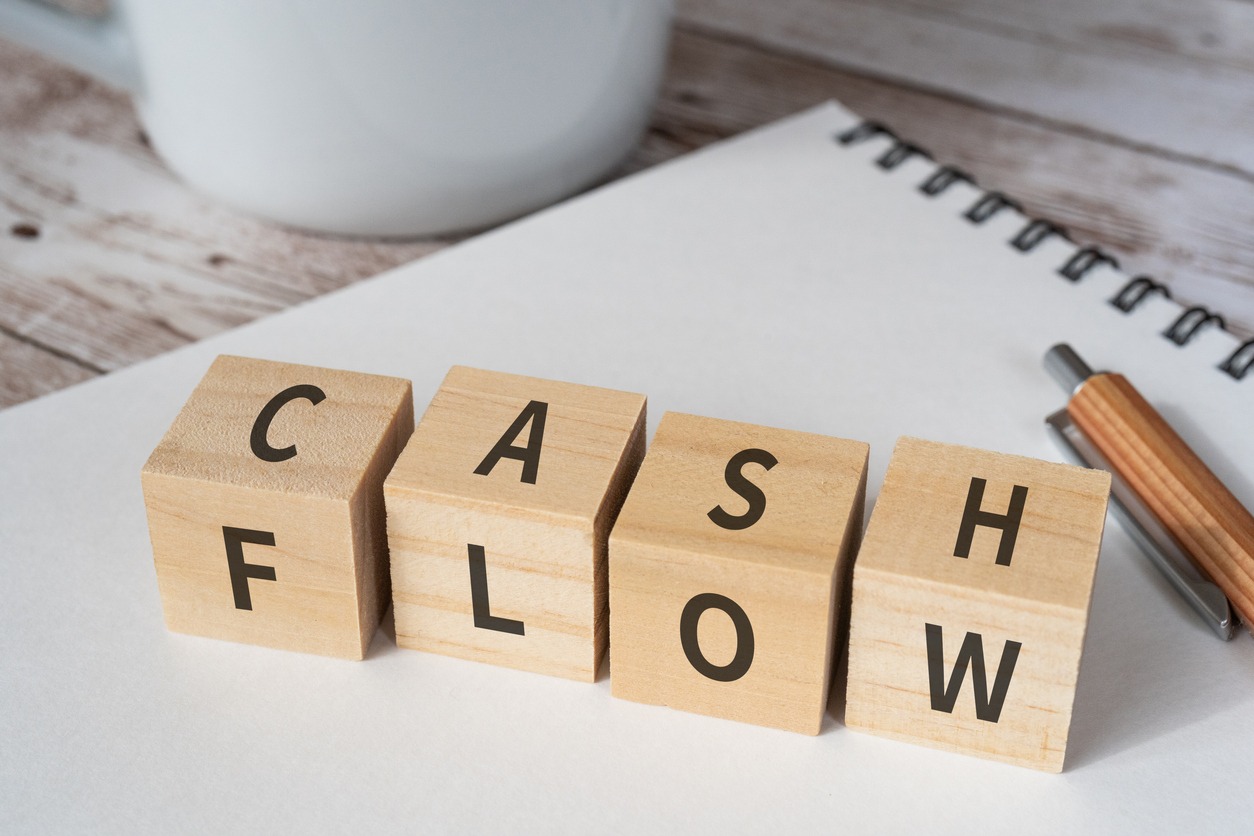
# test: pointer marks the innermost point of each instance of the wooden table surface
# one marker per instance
(1129, 121)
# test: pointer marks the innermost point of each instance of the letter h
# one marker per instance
(1008, 522)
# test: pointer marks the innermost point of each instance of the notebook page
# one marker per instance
(777, 278)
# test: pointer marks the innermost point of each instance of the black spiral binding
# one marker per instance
(989, 205)
(943, 178)
(1036, 232)
(1084, 259)
(898, 154)
(1131, 294)
(1190, 322)
(1241, 361)
(862, 131)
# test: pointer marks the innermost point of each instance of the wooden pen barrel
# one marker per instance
(1195, 507)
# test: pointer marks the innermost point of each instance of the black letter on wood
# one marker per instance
(746, 489)
(261, 447)
(1007, 522)
(987, 706)
(739, 665)
(535, 411)
(241, 571)
(484, 619)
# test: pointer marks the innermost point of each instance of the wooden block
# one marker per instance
(970, 602)
(265, 505)
(727, 570)
(498, 515)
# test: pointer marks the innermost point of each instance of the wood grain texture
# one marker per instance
(783, 567)
(1195, 507)
(108, 259)
(917, 603)
(35, 362)
(539, 536)
(105, 259)
(321, 506)
(1156, 73)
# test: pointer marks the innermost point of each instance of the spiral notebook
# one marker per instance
(816, 274)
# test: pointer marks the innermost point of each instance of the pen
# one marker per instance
(1182, 516)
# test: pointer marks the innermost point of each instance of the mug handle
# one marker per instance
(100, 47)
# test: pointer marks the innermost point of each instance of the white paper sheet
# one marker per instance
(779, 279)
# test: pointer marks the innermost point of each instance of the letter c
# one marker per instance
(261, 447)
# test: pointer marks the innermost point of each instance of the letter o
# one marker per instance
(739, 665)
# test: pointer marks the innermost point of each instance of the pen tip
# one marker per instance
(1066, 366)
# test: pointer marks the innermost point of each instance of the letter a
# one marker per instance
(533, 413)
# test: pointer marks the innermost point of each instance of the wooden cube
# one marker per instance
(498, 515)
(265, 505)
(728, 567)
(970, 602)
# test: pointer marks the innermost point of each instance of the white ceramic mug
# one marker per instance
(375, 117)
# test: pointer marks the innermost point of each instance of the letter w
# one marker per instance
(987, 706)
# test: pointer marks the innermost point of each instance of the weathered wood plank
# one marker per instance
(27, 368)
(1174, 76)
(96, 232)
(107, 259)
(112, 239)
